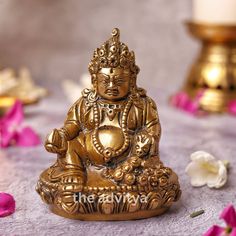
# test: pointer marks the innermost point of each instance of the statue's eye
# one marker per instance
(137, 146)
(105, 81)
(119, 81)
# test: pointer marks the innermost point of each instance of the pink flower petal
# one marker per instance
(180, 99)
(6, 137)
(233, 232)
(15, 115)
(7, 204)
(27, 137)
(199, 95)
(192, 107)
(9, 123)
(215, 230)
(229, 216)
(10, 133)
(174, 100)
(232, 107)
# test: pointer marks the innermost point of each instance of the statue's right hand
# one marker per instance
(55, 142)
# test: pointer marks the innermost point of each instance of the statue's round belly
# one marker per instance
(108, 137)
(111, 137)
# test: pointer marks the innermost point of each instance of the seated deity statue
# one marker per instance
(108, 165)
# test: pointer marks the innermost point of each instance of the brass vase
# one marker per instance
(214, 70)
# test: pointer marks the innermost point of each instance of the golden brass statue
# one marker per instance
(108, 165)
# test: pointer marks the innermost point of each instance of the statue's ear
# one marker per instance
(94, 82)
(94, 79)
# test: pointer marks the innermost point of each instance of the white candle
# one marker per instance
(215, 11)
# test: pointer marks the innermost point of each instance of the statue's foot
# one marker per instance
(66, 198)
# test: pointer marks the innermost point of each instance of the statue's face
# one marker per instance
(113, 84)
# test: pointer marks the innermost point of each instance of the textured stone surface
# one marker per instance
(55, 40)
(20, 168)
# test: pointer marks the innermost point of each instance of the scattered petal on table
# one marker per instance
(232, 107)
(229, 216)
(233, 232)
(183, 102)
(27, 137)
(11, 130)
(15, 115)
(7, 204)
(215, 230)
(9, 124)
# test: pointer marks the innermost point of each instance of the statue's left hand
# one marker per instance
(143, 142)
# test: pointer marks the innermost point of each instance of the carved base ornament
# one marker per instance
(108, 165)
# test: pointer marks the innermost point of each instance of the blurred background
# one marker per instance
(55, 39)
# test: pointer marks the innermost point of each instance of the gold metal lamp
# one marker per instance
(214, 70)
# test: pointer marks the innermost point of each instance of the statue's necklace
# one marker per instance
(109, 153)
(111, 109)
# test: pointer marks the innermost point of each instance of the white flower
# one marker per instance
(205, 169)
(73, 90)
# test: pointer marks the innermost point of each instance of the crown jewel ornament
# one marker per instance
(108, 165)
(113, 54)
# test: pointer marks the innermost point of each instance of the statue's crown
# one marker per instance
(112, 54)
